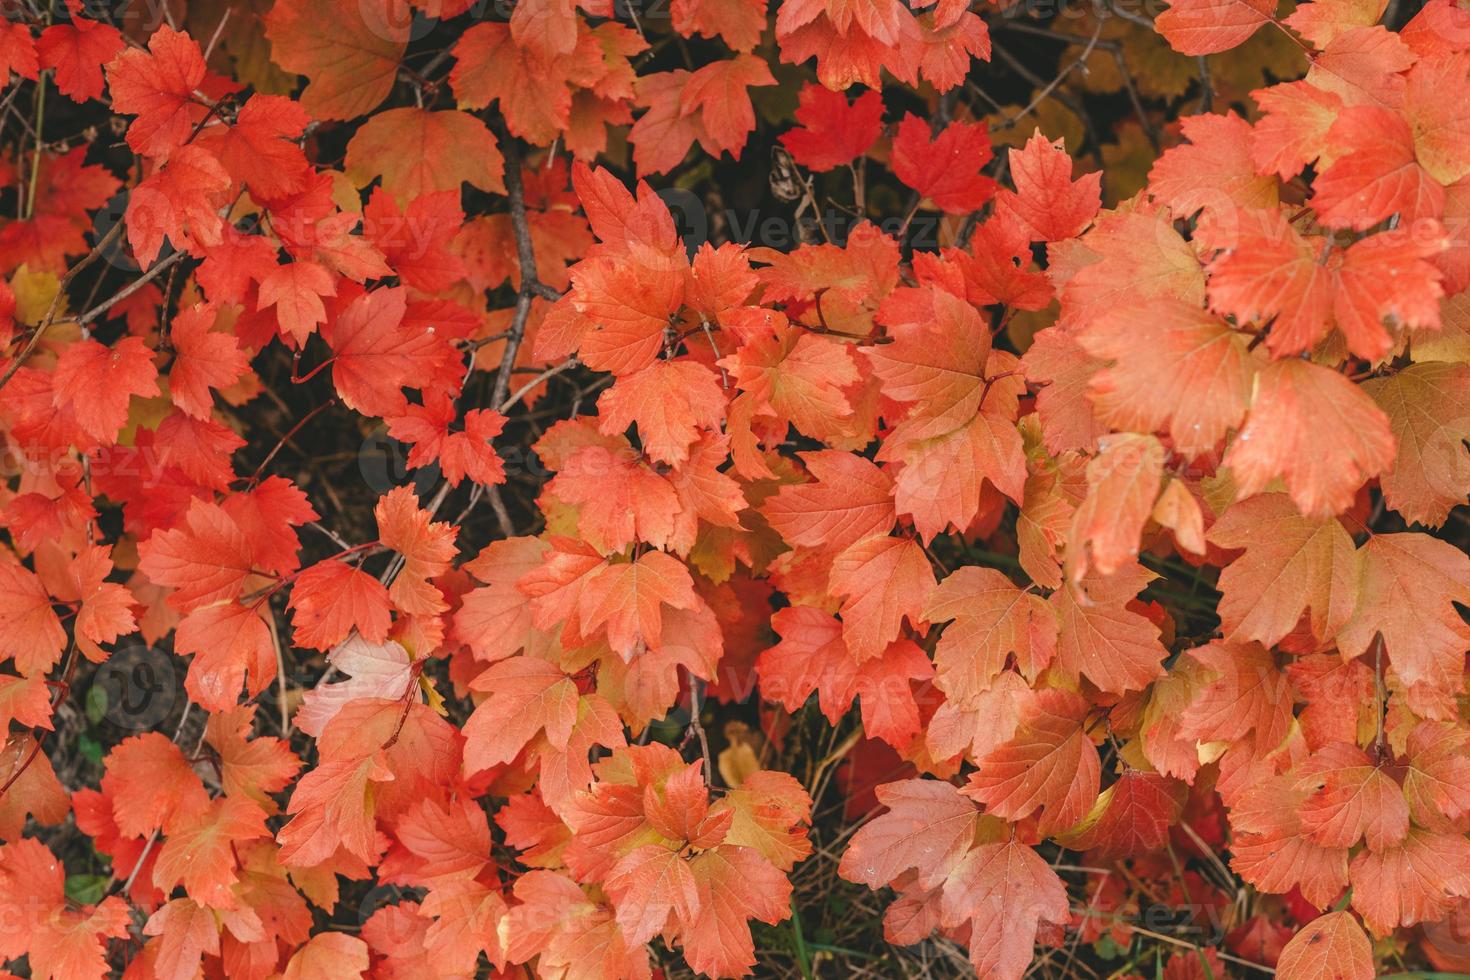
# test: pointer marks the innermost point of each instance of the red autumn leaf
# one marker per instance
(97, 383)
(416, 152)
(158, 87)
(331, 599)
(17, 53)
(1202, 27)
(179, 202)
(1047, 201)
(350, 67)
(944, 168)
(204, 359)
(833, 131)
(376, 353)
(296, 290)
(78, 50)
(259, 149)
(1050, 765)
(61, 940)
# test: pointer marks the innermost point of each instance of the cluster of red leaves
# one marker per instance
(1240, 371)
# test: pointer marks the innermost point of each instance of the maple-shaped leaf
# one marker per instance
(527, 696)
(152, 785)
(928, 828)
(64, 941)
(1292, 131)
(376, 757)
(851, 499)
(77, 51)
(351, 68)
(1064, 370)
(1201, 27)
(249, 766)
(1434, 779)
(1269, 850)
(440, 841)
(427, 547)
(833, 131)
(25, 700)
(179, 202)
(200, 851)
(882, 581)
(158, 87)
(469, 916)
(1291, 566)
(1004, 892)
(735, 884)
(17, 53)
(945, 481)
(259, 149)
(1330, 947)
(1417, 880)
(1304, 287)
(670, 401)
(295, 290)
(204, 359)
(415, 241)
(420, 151)
(466, 453)
(1364, 66)
(268, 514)
(937, 359)
(1246, 693)
(206, 559)
(621, 317)
(331, 599)
(649, 886)
(771, 810)
(106, 611)
(1126, 259)
(1213, 173)
(973, 728)
(1171, 367)
(1423, 404)
(1378, 175)
(628, 598)
(1407, 592)
(1316, 431)
(1050, 765)
(799, 376)
(97, 382)
(1352, 799)
(495, 619)
(377, 353)
(945, 167)
(555, 919)
(718, 93)
(232, 648)
(738, 22)
(814, 656)
(1047, 201)
(1099, 637)
(186, 932)
(30, 630)
(993, 620)
(1122, 484)
(565, 770)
